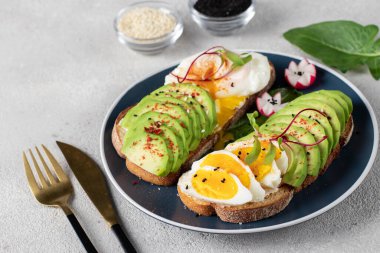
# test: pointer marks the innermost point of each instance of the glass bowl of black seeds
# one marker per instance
(222, 17)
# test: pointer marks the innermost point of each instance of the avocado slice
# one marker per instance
(173, 141)
(147, 104)
(311, 126)
(202, 116)
(167, 120)
(320, 106)
(199, 94)
(150, 152)
(319, 118)
(338, 99)
(344, 97)
(303, 136)
(327, 101)
(297, 170)
(194, 120)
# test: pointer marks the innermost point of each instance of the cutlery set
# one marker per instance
(56, 189)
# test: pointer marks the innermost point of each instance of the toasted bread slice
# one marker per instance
(204, 146)
(272, 204)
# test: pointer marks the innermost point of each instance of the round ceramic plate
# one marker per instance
(341, 179)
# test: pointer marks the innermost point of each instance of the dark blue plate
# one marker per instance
(340, 180)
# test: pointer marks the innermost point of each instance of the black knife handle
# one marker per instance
(123, 239)
(81, 234)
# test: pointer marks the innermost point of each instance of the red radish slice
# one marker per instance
(300, 76)
(267, 105)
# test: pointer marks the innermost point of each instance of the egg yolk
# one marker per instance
(228, 164)
(226, 107)
(216, 184)
(259, 169)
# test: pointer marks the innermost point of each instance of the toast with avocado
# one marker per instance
(256, 176)
(162, 135)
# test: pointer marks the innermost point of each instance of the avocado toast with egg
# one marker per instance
(256, 176)
(162, 135)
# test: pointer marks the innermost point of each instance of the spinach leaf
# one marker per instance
(287, 94)
(341, 44)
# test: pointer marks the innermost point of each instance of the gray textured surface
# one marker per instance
(61, 67)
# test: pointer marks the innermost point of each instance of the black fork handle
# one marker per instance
(87, 244)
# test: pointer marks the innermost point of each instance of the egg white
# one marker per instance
(256, 192)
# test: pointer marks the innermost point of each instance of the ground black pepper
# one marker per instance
(222, 8)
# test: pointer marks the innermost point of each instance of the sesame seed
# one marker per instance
(204, 180)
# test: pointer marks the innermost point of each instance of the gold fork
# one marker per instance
(55, 191)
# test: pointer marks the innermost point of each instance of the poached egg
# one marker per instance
(229, 86)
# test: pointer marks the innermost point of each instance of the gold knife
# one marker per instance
(94, 184)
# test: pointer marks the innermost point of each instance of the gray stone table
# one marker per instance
(61, 67)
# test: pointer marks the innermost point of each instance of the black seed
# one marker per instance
(191, 102)
(293, 115)
(156, 94)
(187, 187)
(266, 125)
(223, 180)
(202, 106)
(204, 180)
(308, 153)
(239, 152)
(195, 175)
(149, 118)
(177, 91)
(232, 84)
(309, 116)
(263, 149)
(317, 121)
(134, 115)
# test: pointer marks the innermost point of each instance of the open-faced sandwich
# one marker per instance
(256, 176)
(162, 135)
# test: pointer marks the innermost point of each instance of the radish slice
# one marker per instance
(267, 105)
(300, 76)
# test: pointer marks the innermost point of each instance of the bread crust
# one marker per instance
(205, 145)
(272, 204)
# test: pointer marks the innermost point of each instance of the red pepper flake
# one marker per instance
(160, 154)
(183, 125)
(143, 157)
(153, 130)
(148, 139)
(194, 94)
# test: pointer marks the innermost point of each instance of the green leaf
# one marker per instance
(237, 60)
(341, 44)
(270, 154)
(252, 119)
(255, 152)
(287, 94)
(374, 67)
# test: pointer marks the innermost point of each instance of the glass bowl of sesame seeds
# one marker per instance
(148, 26)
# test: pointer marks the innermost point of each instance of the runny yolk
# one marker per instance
(259, 169)
(214, 184)
(226, 107)
(228, 164)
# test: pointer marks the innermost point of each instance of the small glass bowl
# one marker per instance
(222, 26)
(155, 45)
